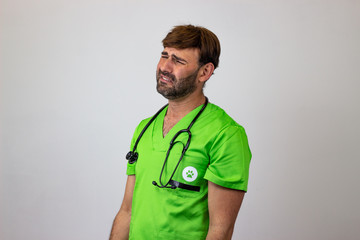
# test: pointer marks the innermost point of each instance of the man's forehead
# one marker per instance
(186, 52)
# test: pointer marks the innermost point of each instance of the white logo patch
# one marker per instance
(190, 174)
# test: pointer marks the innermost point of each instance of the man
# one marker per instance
(188, 168)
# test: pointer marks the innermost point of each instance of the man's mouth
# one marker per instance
(166, 78)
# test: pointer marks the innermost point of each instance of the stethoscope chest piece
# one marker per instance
(132, 157)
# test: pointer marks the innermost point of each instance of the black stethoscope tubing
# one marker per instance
(132, 156)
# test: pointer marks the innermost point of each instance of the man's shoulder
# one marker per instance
(144, 122)
(219, 117)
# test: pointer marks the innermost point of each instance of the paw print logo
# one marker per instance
(190, 174)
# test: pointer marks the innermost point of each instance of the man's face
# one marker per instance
(177, 72)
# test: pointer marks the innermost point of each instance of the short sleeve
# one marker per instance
(230, 159)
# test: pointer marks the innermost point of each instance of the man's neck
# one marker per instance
(179, 108)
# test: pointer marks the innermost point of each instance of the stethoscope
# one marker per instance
(132, 156)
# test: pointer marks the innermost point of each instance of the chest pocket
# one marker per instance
(191, 171)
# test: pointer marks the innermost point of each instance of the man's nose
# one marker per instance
(167, 65)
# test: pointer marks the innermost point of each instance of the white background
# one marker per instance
(77, 77)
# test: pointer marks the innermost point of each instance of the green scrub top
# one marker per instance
(218, 152)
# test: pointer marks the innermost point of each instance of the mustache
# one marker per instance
(166, 74)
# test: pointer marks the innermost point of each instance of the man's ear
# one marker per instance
(205, 72)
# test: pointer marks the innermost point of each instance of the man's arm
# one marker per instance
(121, 224)
(224, 205)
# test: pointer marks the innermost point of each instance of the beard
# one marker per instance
(180, 87)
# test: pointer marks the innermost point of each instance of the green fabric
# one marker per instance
(218, 151)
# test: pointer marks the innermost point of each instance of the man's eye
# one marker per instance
(164, 56)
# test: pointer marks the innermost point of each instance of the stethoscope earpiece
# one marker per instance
(171, 186)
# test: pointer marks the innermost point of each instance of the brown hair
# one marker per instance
(189, 36)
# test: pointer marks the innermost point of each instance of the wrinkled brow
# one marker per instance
(174, 56)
